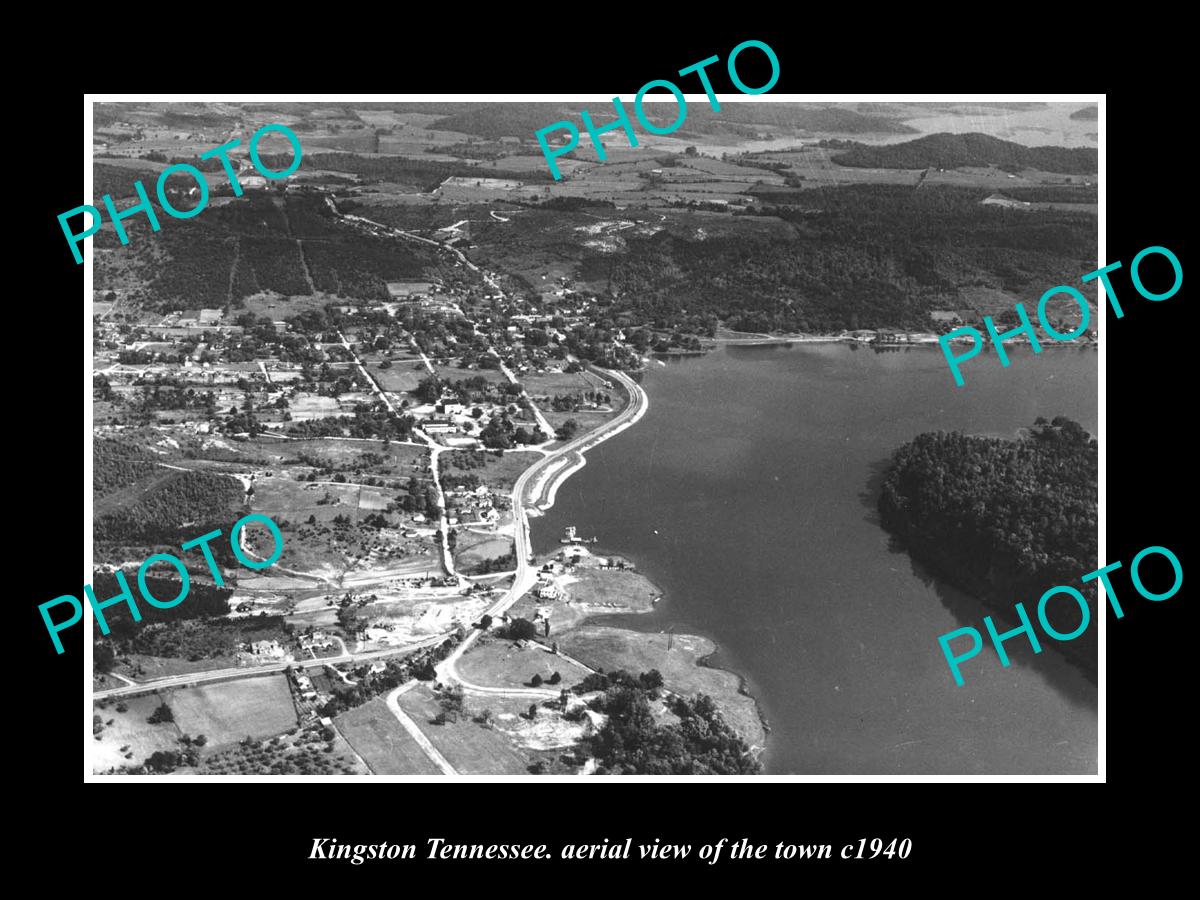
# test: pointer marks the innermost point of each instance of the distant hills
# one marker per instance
(952, 151)
(1088, 114)
(495, 121)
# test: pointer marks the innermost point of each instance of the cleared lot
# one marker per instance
(232, 710)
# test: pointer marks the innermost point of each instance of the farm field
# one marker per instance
(469, 747)
(376, 735)
(230, 711)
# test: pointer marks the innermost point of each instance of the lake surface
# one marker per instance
(747, 494)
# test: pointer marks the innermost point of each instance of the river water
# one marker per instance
(747, 494)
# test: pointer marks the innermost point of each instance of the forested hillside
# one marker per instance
(1005, 520)
(139, 501)
(952, 151)
(262, 242)
(494, 121)
(860, 256)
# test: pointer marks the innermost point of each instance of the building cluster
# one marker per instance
(477, 503)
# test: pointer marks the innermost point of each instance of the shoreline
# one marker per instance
(544, 490)
(867, 336)
(542, 497)
(705, 661)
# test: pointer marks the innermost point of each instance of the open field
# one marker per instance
(586, 419)
(306, 407)
(131, 728)
(617, 648)
(448, 367)
(230, 711)
(499, 473)
(497, 662)
(617, 590)
(473, 549)
(470, 748)
(551, 383)
(399, 377)
(281, 497)
(350, 454)
(378, 738)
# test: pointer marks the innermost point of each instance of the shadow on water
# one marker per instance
(1074, 681)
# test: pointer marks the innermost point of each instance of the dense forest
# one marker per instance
(1003, 519)
(952, 151)
(194, 637)
(857, 256)
(139, 501)
(263, 242)
(202, 601)
(117, 464)
(117, 181)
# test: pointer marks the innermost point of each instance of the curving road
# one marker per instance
(525, 577)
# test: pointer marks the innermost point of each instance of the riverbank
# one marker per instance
(580, 626)
(868, 336)
(754, 519)
(544, 489)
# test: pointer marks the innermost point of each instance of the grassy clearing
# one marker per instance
(470, 748)
(130, 728)
(473, 549)
(585, 419)
(558, 383)
(284, 498)
(375, 734)
(615, 589)
(230, 711)
(499, 473)
(495, 662)
(347, 454)
(400, 377)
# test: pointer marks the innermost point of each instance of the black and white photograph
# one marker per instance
(753, 435)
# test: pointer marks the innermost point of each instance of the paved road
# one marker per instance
(525, 576)
(175, 681)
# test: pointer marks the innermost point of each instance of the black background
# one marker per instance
(992, 830)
